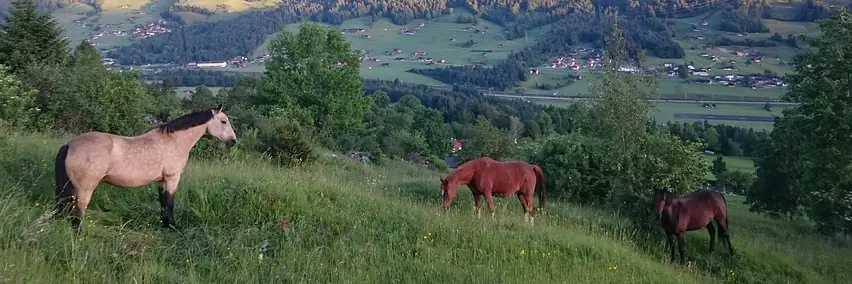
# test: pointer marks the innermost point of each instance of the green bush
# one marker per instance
(438, 164)
(287, 144)
(585, 170)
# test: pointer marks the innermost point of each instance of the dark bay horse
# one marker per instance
(690, 212)
(487, 177)
(158, 155)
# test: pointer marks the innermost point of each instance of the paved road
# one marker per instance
(725, 117)
(495, 94)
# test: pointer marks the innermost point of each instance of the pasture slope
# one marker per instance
(362, 224)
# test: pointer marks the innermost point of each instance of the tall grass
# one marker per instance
(351, 223)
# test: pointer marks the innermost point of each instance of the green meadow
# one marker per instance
(356, 223)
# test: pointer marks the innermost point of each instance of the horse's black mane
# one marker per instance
(187, 121)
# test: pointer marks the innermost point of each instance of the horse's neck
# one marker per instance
(462, 176)
(186, 139)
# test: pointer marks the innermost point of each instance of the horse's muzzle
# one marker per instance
(231, 143)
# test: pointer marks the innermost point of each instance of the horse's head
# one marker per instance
(448, 192)
(220, 127)
(661, 198)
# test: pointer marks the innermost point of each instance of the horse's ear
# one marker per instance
(219, 108)
(443, 180)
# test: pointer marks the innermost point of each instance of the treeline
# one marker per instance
(642, 33)
(730, 41)
(722, 139)
(743, 20)
(196, 77)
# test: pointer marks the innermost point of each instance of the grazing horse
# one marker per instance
(693, 211)
(158, 155)
(487, 177)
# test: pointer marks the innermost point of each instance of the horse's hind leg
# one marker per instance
(712, 231)
(725, 235)
(681, 243)
(490, 200)
(525, 206)
(81, 199)
(64, 196)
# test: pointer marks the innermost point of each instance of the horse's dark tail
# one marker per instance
(539, 181)
(64, 190)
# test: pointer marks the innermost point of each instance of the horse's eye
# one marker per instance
(224, 122)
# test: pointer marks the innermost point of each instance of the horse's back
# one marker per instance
(705, 204)
(504, 177)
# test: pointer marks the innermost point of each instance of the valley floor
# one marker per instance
(351, 223)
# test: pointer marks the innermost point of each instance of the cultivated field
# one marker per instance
(115, 25)
(699, 51)
(363, 224)
(730, 114)
(435, 38)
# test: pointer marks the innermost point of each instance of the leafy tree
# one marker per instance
(85, 54)
(31, 37)
(313, 77)
(167, 105)
(719, 166)
(683, 71)
(202, 98)
(487, 141)
(624, 105)
(712, 138)
(17, 102)
(814, 160)
(96, 99)
(737, 182)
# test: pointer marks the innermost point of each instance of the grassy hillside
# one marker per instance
(362, 224)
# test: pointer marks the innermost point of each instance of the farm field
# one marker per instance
(433, 38)
(742, 164)
(698, 51)
(116, 22)
(668, 111)
(221, 9)
(362, 224)
(673, 88)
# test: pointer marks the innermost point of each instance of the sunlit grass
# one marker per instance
(351, 223)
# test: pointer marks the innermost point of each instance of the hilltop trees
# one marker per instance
(313, 77)
(31, 38)
(807, 163)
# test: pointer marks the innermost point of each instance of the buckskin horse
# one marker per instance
(690, 212)
(487, 177)
(159, 155)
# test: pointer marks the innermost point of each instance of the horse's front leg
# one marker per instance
(167, 200)
(477, 202)
(671, 243)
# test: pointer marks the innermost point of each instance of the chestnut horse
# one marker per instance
(159, 155)
(693, 211)
(487, 177)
